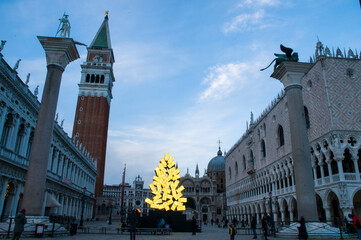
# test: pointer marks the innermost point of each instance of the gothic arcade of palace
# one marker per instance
(260, 164)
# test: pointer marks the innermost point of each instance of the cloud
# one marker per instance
(191, 134)
(258, 3)
(246, 22)
(141, 146)
(139, 62)
(226, 78)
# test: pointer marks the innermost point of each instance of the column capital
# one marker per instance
(291, 73)
(59, 51)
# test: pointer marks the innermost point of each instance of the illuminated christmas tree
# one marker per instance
(167, 194)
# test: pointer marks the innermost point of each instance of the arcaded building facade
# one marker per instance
(70, 181)
(259, 167)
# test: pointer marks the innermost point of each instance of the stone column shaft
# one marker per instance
(340, 170)
(356, 169)
(39, 155)
(3, 113)
(14, 133)
(61, 165)
(314, 174)
(328, 214)
(3, 192)
(55, 162)
(25, 142)
(50, 159)
(291, 74)
(59, 53)
(15, 200)
(329, 170)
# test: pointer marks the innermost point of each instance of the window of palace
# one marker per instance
(244, 163)
(263, 149)
(307, 117)
(236, 168)
(251, 158)
(280, 136)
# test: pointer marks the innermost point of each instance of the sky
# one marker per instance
(186, 72)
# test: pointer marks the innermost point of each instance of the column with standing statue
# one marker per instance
(59, 51)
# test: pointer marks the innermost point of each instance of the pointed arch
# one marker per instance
(347, 163)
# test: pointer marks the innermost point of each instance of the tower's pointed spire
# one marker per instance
(219, 153)
(197, 170)
(102, 38)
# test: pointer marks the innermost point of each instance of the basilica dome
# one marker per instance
(217, 163)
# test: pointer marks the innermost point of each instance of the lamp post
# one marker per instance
(270, 202)
(111, 210)
(82, 208)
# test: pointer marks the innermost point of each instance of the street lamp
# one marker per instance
(111, 210)
(270, 202)
(82, 208)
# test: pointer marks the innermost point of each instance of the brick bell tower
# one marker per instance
(95, 93)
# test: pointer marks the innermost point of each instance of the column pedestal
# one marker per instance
(59, 53)
(291, 74)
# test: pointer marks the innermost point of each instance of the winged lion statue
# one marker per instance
(288, 56)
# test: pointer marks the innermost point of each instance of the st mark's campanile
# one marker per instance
(95, 94)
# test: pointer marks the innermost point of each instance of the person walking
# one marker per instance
(20, 221)
(356, 223)
(254, 226)
(225, 223)
(194, 226)
(232, 231)
(265, 227)
(133, 221)
(302, 231)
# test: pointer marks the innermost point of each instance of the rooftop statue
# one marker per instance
(288, 56)
(2, 45)
(64, 26)
(16, 65)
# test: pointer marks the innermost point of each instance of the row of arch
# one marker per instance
(17, 136)
(11, 198)
(279, 177)
(204, 185)
(94, 78)
(284, 209)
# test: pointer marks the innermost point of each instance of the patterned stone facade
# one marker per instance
(261, 162)
(71, 170)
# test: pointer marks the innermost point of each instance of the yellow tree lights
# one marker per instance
(167, 194)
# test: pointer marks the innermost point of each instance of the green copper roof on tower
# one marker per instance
(102, 38)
